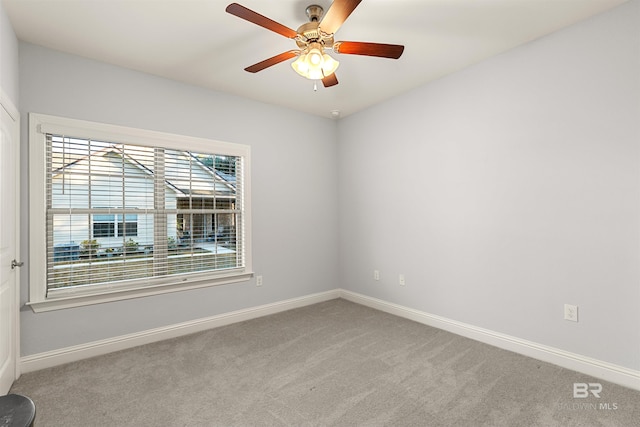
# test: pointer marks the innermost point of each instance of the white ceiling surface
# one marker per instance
(197, 42)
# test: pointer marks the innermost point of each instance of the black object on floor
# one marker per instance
(16, 411)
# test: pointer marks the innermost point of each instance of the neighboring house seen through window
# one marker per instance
(127, 212)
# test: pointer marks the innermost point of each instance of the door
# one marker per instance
(9, 249)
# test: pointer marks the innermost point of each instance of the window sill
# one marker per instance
(84, 299)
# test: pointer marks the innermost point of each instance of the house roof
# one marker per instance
(185, 173)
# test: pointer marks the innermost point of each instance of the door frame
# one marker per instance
(7, 104)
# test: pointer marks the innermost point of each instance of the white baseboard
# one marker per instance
(96, 348)
(576, 362)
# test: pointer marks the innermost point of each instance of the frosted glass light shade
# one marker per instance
(314, 64)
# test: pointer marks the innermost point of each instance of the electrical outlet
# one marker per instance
(376, 275)
(571, 312)
(258, 280)
(401, 280)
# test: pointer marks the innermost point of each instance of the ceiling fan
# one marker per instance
(313, 38)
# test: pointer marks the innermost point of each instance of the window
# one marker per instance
(120, 212)
(115, 226)
(104, 226)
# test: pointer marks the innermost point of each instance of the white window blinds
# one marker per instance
(127, 215)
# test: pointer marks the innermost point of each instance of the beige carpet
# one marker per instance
(329, 364)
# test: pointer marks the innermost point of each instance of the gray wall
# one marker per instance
(8, 58)
(506, 190)
(294, 184)
(501, 192)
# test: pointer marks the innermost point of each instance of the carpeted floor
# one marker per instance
(329, 364)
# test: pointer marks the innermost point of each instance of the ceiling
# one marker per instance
(197, 42)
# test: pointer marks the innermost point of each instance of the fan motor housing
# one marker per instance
(311, 33)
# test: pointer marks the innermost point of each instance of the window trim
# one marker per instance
(39, 126)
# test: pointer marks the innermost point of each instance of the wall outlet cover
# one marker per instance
(571, 312)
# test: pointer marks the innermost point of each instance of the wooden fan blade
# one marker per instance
(251, 16)
(369, 49)
(330, 80)
(338, 12)
(271, 61)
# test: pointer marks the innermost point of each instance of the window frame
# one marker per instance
(39, 126)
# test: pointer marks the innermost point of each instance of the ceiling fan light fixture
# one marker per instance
(314, 64)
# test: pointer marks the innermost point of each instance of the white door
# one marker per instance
(9, 226)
